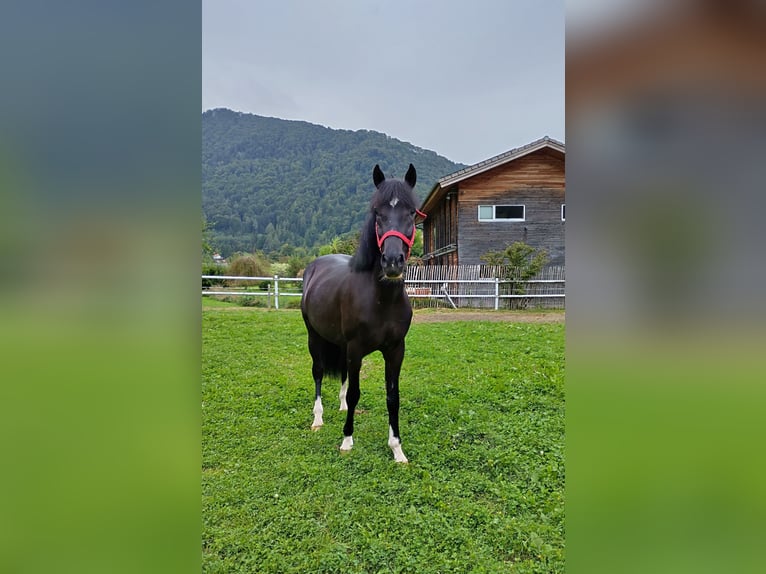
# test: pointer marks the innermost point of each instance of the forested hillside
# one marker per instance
(288, 186)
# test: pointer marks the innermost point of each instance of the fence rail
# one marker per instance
(272, 287)
(486, 286)
(477, 286)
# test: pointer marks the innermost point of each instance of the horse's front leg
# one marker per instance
(354, 363)
(394, 358)
(342, 394)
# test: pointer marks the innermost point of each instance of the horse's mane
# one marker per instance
(367, 254)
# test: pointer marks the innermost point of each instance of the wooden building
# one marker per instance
(515, 196)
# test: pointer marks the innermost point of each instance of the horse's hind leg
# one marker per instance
(317, 371)
(318, 409)
(354, 364)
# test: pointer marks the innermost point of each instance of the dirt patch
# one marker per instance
(444, 315)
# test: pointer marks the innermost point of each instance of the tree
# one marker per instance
(417, 245)
(296, 264)
(207, 247)
(346, 244)
(311, 183)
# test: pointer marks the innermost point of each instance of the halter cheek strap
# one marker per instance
(408, 241)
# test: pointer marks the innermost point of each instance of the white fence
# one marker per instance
(477, 286)
(486, 286)
(272, 291)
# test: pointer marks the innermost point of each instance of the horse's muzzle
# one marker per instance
(393, 265)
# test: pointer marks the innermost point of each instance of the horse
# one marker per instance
(355, 305)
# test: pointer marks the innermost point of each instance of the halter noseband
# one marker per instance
(408, 241)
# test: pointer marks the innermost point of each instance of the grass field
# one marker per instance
(482, 422)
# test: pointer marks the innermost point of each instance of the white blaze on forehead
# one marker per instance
(394, 201)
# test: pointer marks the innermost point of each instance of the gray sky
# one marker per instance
(468, 80)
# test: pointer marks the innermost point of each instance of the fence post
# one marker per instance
(276, 292)
(497, 292)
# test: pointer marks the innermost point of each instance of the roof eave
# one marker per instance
(431, 199)
(501, 159)
(444, 183)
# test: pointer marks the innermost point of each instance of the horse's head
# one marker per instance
(394, 210)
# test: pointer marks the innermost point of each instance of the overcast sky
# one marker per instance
(468, 80)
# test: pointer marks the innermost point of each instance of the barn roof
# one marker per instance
(451, 179)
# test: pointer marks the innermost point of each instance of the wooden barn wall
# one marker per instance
(440, 229)
(535, 181)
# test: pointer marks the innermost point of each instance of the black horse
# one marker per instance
(353, 306)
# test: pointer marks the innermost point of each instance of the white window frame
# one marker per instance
(494, 218)
(563, 214)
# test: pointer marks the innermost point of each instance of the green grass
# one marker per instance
(214, 302)
(482, 422)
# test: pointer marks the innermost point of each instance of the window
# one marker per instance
(563, 212)
(501, 213)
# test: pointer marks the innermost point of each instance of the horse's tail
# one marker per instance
(331, 357)
(333, 360)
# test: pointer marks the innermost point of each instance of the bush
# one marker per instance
(296, 265)
(249, 265)
(211, 268)
(251, 302)
(524, 262)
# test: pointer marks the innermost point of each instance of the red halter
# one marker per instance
(408, 241)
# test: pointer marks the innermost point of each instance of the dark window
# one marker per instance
(509, 212)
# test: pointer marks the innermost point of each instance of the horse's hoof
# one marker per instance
(347, 445)
(316, 427)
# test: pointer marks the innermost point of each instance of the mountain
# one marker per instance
(276, 185)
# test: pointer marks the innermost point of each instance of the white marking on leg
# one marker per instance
(396, 446)
(318, 412)
(348, 443)
(342, 397)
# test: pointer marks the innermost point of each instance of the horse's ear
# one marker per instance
(411, 177)
(377, 175)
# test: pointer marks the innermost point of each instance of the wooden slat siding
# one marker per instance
(440, 230)
(536, 181)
